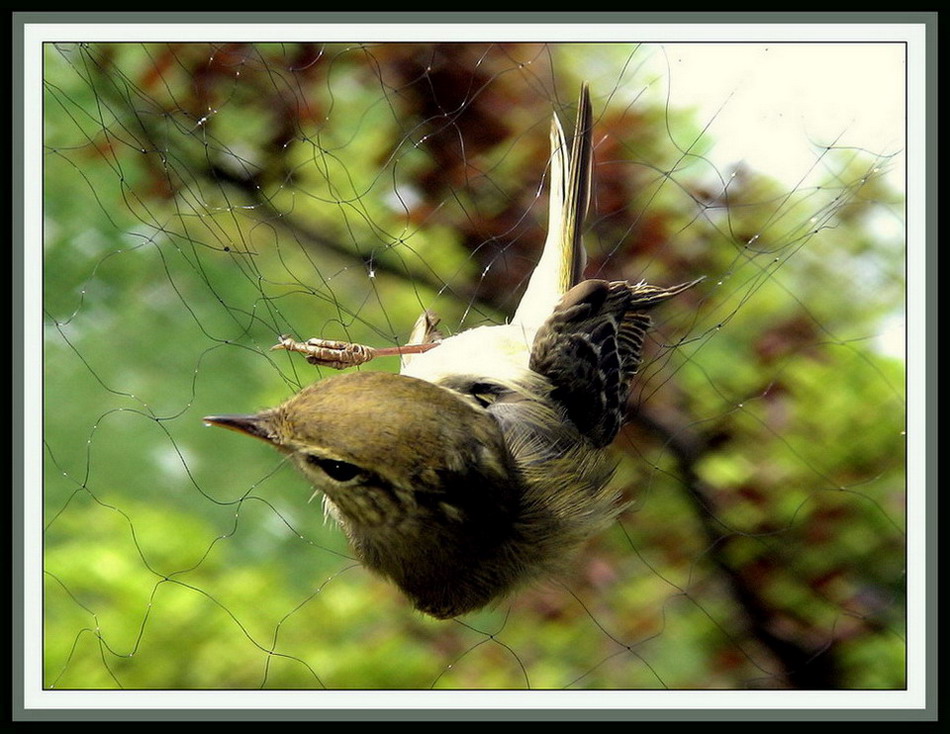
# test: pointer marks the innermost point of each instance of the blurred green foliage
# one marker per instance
(202, 199)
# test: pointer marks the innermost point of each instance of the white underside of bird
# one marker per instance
(497, 352)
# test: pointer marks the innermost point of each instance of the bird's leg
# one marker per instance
(340, 355)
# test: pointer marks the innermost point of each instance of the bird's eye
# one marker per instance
(340, 471)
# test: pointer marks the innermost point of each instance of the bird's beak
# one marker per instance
(251, 425)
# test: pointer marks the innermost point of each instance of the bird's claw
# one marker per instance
(328, 352)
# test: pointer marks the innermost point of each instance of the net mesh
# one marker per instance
(202, 199)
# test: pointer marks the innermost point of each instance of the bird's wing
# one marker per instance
(591, 347)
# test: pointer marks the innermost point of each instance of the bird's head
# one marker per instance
(386, 449)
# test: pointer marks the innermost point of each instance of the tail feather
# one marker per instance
(563, 258)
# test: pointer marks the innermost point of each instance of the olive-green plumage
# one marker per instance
(483, 465)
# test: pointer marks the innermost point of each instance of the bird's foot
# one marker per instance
(341, 355)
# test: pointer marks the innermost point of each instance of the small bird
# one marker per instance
(484, 464)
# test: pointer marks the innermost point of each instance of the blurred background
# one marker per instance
(202, 199)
